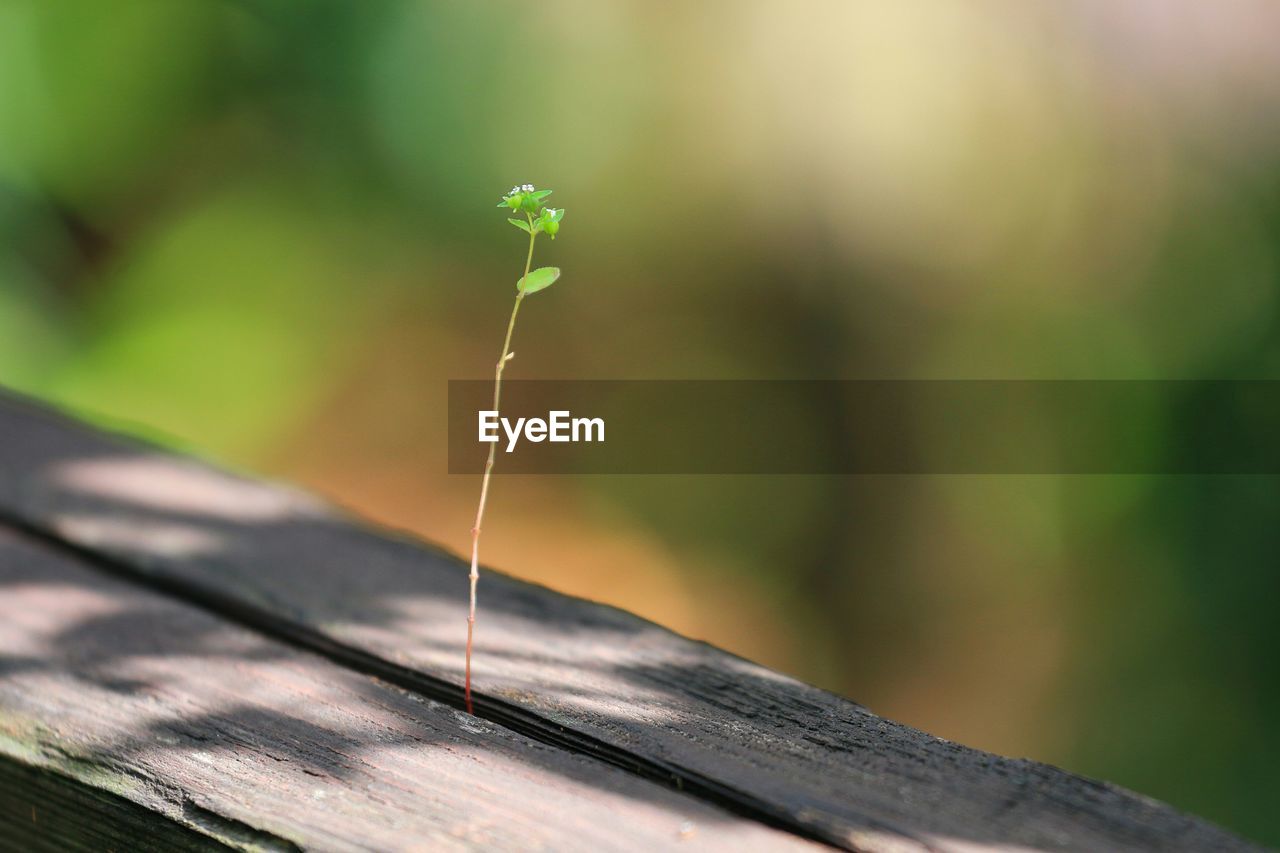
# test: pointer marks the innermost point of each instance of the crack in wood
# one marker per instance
(236, 833)
(215, 681)
(492, 709)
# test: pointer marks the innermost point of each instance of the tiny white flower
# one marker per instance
(528, 188)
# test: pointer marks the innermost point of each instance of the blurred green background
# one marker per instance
(265, 230)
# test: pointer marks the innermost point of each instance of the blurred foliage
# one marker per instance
(264, 230)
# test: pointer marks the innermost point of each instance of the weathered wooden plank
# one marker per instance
(43, 810)
(179, 729)
(791, 752)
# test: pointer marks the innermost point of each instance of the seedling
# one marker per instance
(533, 218)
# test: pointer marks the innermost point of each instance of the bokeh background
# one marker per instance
(264, 231)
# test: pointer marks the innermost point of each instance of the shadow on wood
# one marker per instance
(592, 680)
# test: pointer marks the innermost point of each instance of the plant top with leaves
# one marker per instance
(536, 219)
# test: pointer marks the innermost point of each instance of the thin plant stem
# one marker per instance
(488, 465)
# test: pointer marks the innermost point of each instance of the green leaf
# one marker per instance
(539, 279)
(519, 223)
(541, 194)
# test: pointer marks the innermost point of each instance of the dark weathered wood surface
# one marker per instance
(41, 809)
(596, 679)
(250, 742)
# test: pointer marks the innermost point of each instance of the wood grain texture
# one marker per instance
(228, 737)
(42, 809)
(795, 754)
